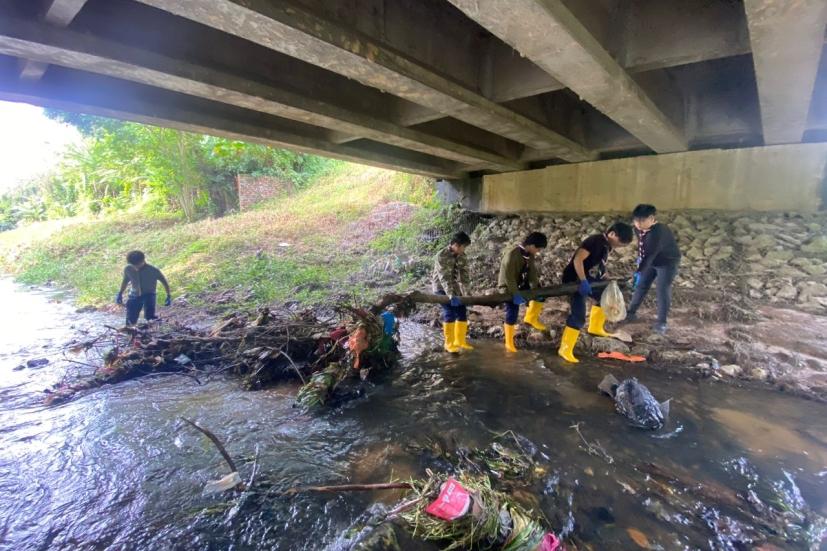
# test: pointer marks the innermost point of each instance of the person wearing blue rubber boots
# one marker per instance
(519, 272)
(450, 277)
(587, 265)
(142, 279)
(658, 260)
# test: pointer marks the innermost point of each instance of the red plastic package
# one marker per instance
(551, 543)
(453, 501)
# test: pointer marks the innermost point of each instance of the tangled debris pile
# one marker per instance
(468, 513)
(468, 507)
(271, 347)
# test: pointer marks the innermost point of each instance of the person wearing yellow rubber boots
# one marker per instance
(450, 277)
(588, 264)
(519, 272)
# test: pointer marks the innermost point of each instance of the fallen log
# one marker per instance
(487, 300)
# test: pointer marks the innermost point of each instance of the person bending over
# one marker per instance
(587, 265)
(142, 279)
(519, 272)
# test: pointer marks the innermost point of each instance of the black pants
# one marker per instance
(664, 276)
(135, 304)
(577, 303)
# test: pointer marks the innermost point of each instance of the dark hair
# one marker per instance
(460, 238)
(537, 239)
(135, 257)
(622, 230)
(644, 211)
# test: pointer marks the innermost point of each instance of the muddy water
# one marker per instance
(115, 469)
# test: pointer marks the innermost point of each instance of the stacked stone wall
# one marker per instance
(771, 257)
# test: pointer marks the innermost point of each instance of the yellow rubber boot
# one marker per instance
(566, 351)
(449, 330)
(532, 315)
(509, 331)
(597, 319)
(461, 335)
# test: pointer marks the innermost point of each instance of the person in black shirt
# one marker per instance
(588, 264)
(658, 261)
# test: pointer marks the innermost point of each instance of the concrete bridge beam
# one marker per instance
(297, 32)
(107, 97)
(24, 39)
(787, 37)
(58, 13)
(552, 37)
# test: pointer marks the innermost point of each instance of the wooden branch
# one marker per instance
(350, 488)
(215, 441)
(488, 300)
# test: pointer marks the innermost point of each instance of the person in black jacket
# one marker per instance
(588, 265)
(658, 261)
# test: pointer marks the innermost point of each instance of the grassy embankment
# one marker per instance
(306, 246)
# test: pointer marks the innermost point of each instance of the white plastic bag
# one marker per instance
(614, 307)
(222, 484)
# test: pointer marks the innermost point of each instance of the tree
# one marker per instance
(121, 164)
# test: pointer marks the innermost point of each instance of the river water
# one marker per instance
(115, 469)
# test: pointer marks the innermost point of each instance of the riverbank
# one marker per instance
(356, 229)
(749, 303)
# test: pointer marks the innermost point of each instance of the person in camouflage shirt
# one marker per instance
(519, 272)
(450, 277)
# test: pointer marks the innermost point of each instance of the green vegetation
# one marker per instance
(307, 246)
(120, 165)
(172, 194)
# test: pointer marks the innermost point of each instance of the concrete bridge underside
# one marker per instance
(449, 88)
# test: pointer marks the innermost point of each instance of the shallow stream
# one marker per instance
(116, 468)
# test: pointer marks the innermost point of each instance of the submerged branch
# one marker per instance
(593, 448)
(216, 441)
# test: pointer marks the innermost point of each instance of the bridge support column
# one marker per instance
(771, 178)
(467, 192)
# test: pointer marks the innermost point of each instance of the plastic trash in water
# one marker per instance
(550, 543)
(182, 359)
(453, 501)
(223, 484)
(388, 322)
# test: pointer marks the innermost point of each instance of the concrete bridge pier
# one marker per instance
(769, 178)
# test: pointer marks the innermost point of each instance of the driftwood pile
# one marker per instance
(271, 347)
(263, 349)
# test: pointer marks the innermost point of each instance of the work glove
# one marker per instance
(635, 280)
(455, 302)
(518, 299)
(585, 288)
(168, 301)
(119, 298)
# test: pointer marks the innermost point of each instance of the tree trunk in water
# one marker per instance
(487, 300)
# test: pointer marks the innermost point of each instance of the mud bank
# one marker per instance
(749, 303)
